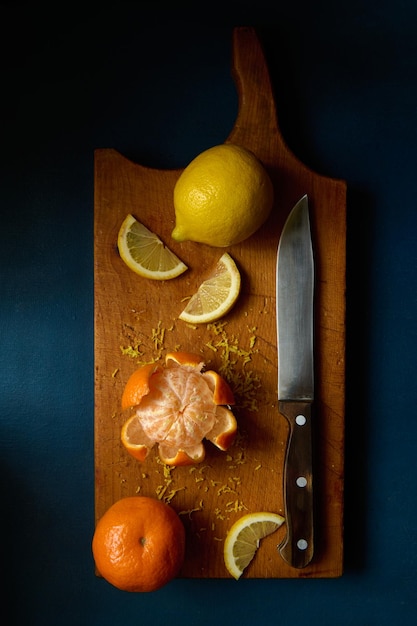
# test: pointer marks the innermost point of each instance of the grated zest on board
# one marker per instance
(245, 382)
(133, 351)
(234, 359)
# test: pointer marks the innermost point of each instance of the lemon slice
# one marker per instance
(144, 252)
(216, 295)
(243, 539)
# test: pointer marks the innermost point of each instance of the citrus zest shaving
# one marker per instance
(132, 351)
(189, 512)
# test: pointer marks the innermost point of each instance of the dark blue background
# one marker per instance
(155, 84)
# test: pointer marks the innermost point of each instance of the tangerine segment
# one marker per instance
(139, 544)
(176, 407)
(222, 394)
(138, 385)
(179, 409)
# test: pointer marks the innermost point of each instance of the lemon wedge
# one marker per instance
(243, 539)
(143, 251)
(216, 295)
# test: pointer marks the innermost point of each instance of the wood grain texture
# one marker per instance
(143, 314)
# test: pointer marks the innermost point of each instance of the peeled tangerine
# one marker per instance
(177, 406)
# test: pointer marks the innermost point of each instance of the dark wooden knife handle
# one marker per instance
(297, 549)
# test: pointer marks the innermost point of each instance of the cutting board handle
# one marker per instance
(256, 124)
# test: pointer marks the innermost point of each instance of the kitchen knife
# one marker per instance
(295, 296)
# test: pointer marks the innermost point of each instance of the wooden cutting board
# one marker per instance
(136, 321)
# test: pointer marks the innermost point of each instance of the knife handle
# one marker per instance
(297, 549)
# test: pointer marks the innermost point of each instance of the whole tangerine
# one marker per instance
(139, 544)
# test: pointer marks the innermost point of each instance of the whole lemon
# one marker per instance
(222, 197)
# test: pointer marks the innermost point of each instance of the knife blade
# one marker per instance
(295, 313)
